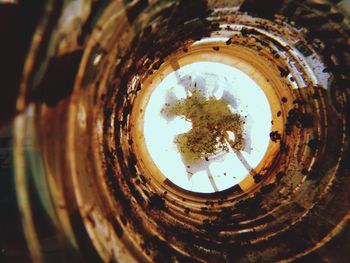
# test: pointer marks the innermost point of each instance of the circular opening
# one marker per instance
(206, 126)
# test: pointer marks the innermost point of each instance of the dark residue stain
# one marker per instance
(307, 120)
(284, 99)
(143, 178)
(251, 206)
(132, 165)
(284, 72)
(133, 10)
(340, 69)
(268, 188)
(299, 102)
(264, 43)
(156, 65)
(304, 171)
(298, 119)
(275, 136)
(58, 81)
(280, 175)
(314, 174)
(258, 178)
(283, 147)
(199, 10)
(123, 220)
(261, 8)
(315, 95)
(313, 145)
(116, 225)
(157, 202)
(303, 49)
(247, 31)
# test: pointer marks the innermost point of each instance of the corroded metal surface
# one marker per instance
(106, 194)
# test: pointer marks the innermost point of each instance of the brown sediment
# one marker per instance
(211, 119)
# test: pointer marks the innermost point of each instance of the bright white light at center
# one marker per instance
(244, 97)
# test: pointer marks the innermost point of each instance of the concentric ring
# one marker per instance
(289, 204)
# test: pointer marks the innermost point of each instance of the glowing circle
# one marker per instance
(224, 169)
